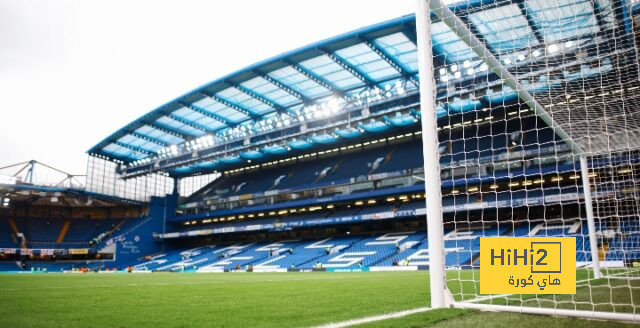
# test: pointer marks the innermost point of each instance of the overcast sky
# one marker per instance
(73, 72)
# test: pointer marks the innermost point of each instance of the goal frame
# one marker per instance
(440, 296)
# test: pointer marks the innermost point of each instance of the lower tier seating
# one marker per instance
(462, 247)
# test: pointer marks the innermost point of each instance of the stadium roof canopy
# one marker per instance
(381, 56)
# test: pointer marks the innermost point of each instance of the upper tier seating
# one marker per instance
(45, 232)
(82, 231)
(450, 203)
(473, 142)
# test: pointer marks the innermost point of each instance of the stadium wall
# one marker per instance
(138, 241)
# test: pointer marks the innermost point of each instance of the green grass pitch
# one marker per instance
(237, 300)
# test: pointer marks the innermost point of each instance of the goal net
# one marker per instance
(538, 129)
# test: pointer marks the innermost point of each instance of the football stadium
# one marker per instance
(349, 182)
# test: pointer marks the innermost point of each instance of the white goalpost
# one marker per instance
(540, 139)
(430, 145)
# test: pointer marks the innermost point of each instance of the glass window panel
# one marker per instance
(348, 83)
(232, 94)
(255, 106)
(446, 41)
(321, 65)
(204, 102)
(127, 139)
(287, 75)
(180, 127)
(215, 106)
(149, 131)
(122, 152)
(189, 115)
(364, 58)
(210, 123)
(383, 74)
(299, 82)
(505, 28)
(563, 19)
(182, 111)
(366, 61)
(400, 47)
(140, 143)
(167, 121)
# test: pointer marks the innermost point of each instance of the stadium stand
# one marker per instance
(313, 161)
(49, 232)
(285, 166)
(349, 252)
(386, 159)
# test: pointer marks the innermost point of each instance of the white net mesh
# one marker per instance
(515, 162)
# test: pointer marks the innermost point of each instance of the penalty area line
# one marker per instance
(392, 315)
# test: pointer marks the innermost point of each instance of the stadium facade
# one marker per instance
(313, 159)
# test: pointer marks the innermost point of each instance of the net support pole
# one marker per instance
(588, 203)
(435, 227)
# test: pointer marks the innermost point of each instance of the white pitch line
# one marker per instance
(393, 315)
(487, 298)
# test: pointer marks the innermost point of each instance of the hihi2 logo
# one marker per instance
(527, 265)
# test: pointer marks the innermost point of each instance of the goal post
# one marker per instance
(588, 204)
(435, 230)
(571, 82)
